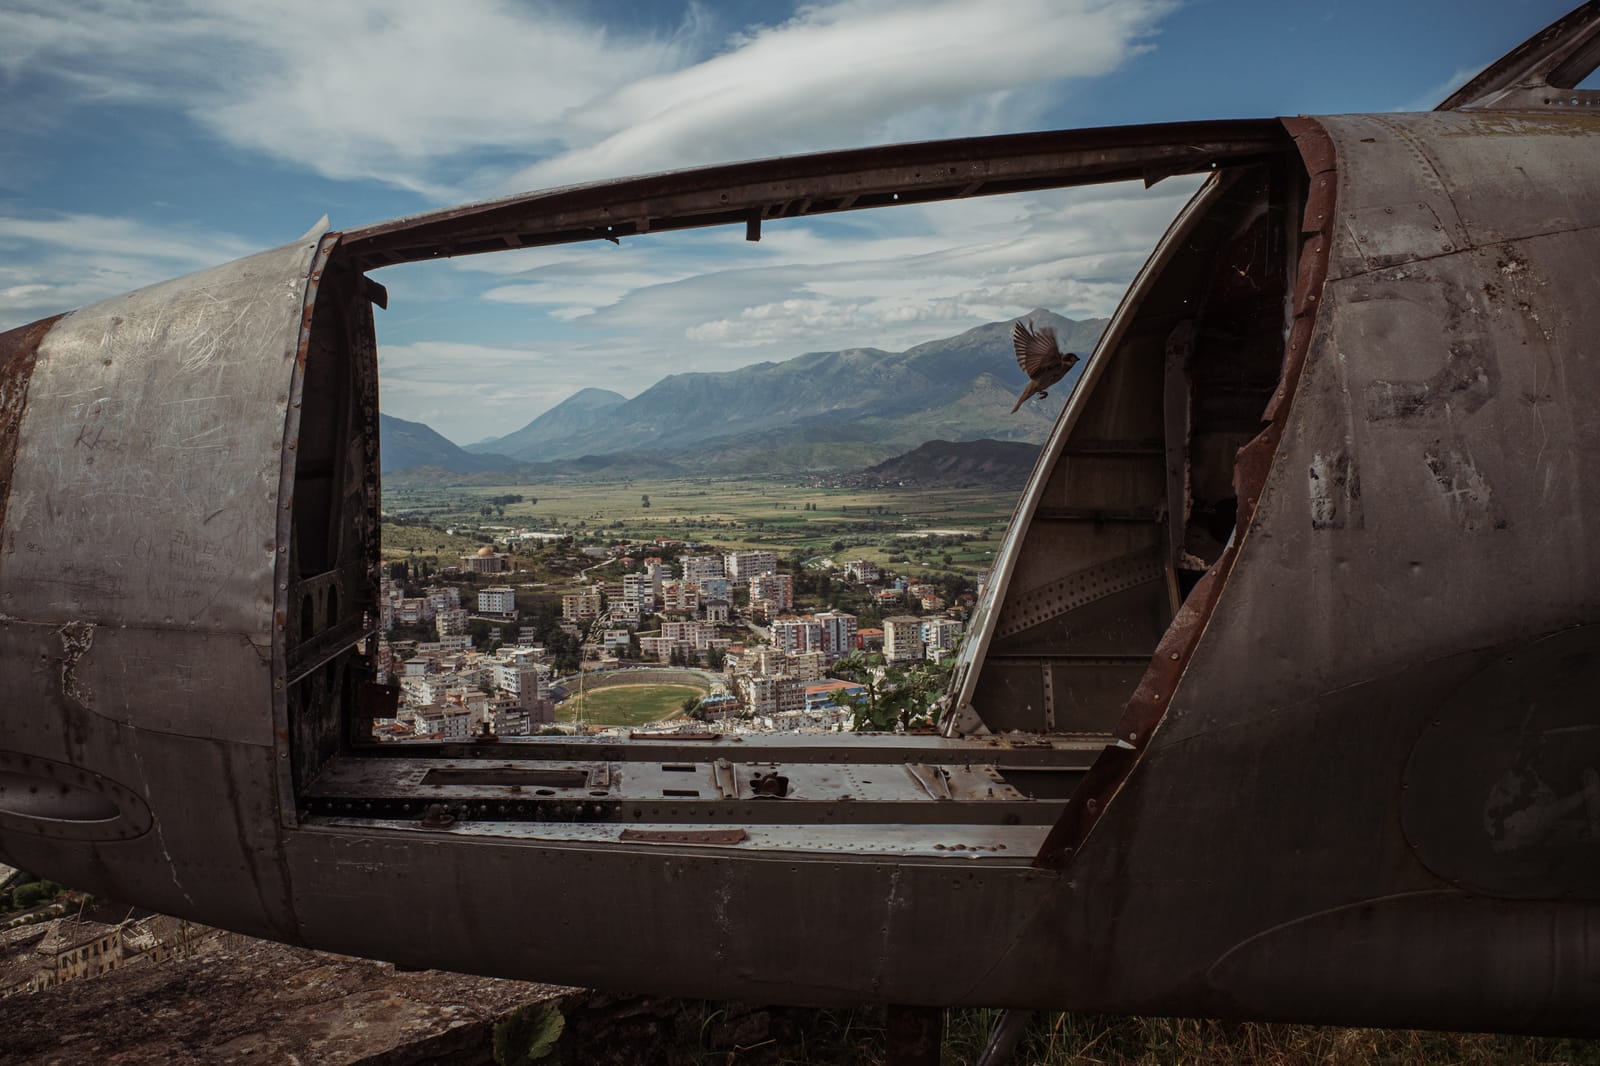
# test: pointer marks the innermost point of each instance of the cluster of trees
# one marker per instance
(903, 697)
(23, 891)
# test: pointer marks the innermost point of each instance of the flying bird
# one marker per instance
(1041, 358)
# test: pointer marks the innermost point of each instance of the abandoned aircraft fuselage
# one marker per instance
(1278, 704)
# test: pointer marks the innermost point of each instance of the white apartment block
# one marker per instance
(450, 621)
(806, 665)
(624, 612)
(797, 634)
(521, 680)
(902, 638)
(838, 632)
(499, 600)
(939, 636)
(698, 568)
(680, 597)
(862, 570)
(697, 634)
(764, 695)
(641, 589)
(454, 642)
(580, 606)
(661, 648)
(520, 654)
(451, 723)
(440, 597)
(741, 566)
(779, 588)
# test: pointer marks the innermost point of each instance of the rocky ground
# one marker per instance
(240, 1000)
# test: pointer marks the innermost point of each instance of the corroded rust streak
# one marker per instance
(19, 349)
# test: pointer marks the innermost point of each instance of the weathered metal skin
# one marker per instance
(1362, 864)
(1277, 707)
(136, 584)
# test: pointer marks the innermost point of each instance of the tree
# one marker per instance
(896, 697)
(644, 501)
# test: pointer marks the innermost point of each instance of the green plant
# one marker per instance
(529, 1036)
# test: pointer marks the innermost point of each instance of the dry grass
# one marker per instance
(1115, 1041)
(855, 1037)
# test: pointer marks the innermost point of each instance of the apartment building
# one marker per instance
(580, 606)
(939, 637)
(862, 570)
(838, 632)
(797, 634)
(498, 600)
(741, 566)
(778, 588)
(902, 638)
(697, 568)
(450, 621)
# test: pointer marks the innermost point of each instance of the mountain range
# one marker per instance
(819, 411)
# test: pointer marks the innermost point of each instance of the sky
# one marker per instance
(145, 139)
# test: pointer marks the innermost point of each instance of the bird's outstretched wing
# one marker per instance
(1036, 348)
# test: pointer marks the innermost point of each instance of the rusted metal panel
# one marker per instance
(1333, 645)
(19, 348)
(828, 181)
(771, 924)
(683, 836)
(145, 481)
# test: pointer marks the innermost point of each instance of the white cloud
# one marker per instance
(458, 99)
(937, 270)
(400, 91)
(53, 264)
(481, 95)
(845, 73)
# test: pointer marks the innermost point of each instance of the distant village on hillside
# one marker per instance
(477, 650)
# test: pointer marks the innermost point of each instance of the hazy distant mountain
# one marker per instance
(1002, 464)
(403, 445)
(854, 406)
(550, 433)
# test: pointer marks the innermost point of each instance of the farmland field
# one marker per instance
(628, 705)
(745, 512)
